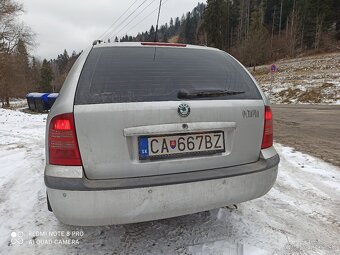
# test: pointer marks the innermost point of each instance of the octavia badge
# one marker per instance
(183, 110)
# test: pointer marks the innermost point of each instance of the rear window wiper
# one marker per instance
(184, 94)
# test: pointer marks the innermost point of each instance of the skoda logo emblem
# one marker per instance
(183, 110)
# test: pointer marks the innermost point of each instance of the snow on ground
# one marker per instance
(300, 215)
(313, 79)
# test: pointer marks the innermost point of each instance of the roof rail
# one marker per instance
(95, 42)
(163, 44)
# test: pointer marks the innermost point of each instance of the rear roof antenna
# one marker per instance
(159, 11)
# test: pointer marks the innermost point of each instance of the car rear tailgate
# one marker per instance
(109, 151)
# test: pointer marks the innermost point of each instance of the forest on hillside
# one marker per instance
(254, 31)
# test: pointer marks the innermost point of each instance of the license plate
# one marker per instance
(181, 145)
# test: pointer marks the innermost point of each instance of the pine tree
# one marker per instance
(35, 73)
(256, 46)
(171, 23)
(46, 77)
(151, 34)
(62, 61)
(177, 23)
(190, 27)
(23, 66)
(216, 18)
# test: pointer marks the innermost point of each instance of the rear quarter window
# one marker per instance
(144, 74)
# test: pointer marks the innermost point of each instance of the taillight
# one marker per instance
(62, 141)
(267, 140)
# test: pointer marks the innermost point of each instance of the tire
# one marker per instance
(48, 204)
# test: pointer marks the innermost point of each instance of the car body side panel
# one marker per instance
(65, 100)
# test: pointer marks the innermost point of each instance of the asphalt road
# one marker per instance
(313, 129)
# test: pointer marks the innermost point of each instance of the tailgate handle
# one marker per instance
(178, 128)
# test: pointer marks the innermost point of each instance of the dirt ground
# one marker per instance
(313, 129)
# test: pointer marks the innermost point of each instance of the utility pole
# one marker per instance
(159, 12)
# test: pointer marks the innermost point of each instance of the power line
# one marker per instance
(102, 36)
(134, 17)
(143, 19)
(112, 32)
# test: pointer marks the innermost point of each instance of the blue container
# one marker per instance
(41, 102)
(38, 101)
(30, 101)
(51, 99)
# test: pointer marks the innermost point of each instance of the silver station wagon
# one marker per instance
(146, 131)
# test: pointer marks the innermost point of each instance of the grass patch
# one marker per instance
(311, 96)
(327, 85)
(289, 93)
(317, 95)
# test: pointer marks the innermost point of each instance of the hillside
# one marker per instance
(255, 32)
(313, 79)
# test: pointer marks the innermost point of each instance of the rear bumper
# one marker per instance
(91, 203)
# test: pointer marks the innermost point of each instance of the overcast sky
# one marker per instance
(74, 24)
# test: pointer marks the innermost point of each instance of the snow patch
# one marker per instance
(300, 215)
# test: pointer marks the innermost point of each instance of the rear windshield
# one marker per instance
(144, 74)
